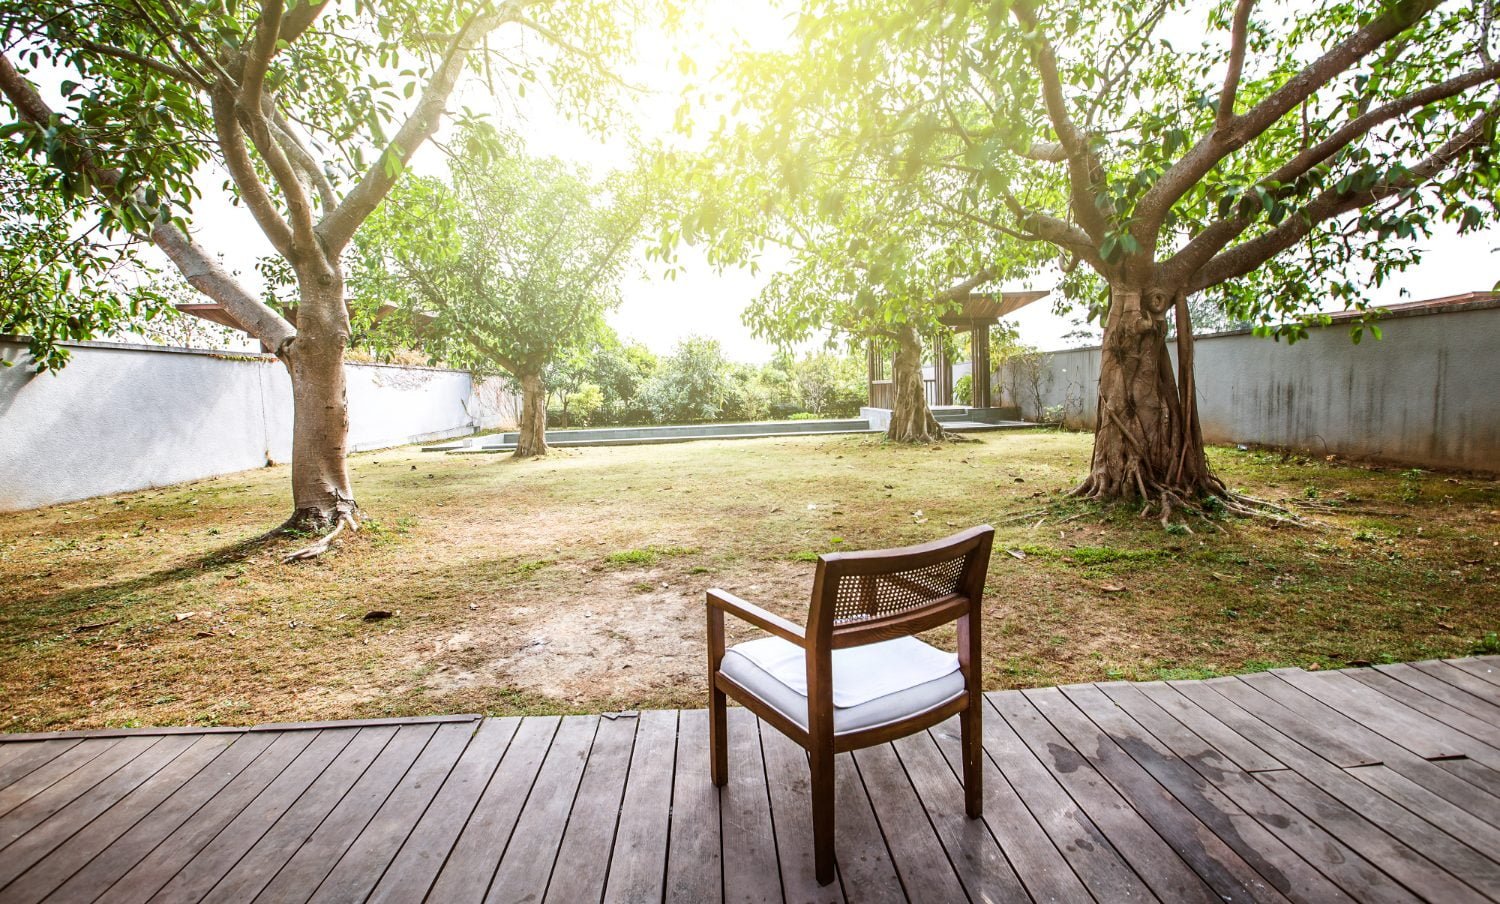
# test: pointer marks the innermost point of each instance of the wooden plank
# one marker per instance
(1186, 820)
(315, 858)
(30, 845)
(362, 864)
(104, 828)
(866, 872)
(51, 772)
(30, 756)
(526, 865)
(187, 870)
(584, 854)
(153, 851)
(48, 801)
(1438, 690)
(639, 863)
(1398, 757)
(1477, 774)
(245, 879)
(1422, 859)
(1479, 834)
(1399, 861)
(1369, 709)
(1047, 877)
(1097, 863)
(417, 865)
(1487, 733)
(1220, 738)
(915, 849)
(694, 873)
(1341, 748)
(1458, 678)
(1330, 856)
(93, 859)
(1270, 868)
(751, 872)
(471, 865)
(788, 783)
(1153, 859)
(976, 857)
(1481, 669)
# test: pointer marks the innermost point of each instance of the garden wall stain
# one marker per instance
(1426, 395)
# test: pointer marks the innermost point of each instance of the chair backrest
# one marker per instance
(865, 597)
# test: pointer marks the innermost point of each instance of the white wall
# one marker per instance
(125, 417)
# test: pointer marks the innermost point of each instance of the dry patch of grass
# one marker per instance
(575, 583)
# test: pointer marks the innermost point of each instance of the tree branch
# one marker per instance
(1246, 257)
(201, 269)
(1153, 206)
(1238, 37)
(190, 76)
(338, 226)
(1084, 169)
(1212, 240)
(242, 170)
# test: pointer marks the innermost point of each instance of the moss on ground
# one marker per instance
(575, 583)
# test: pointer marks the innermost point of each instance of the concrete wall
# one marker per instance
(1427, 395)
(125, 417)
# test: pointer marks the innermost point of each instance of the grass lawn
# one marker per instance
(575, 583)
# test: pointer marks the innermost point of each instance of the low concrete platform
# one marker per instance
(956, 420)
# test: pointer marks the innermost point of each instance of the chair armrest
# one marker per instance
(755, 615)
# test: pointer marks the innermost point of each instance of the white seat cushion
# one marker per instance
(872, 684)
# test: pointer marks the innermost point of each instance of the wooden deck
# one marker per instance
(1373, 785)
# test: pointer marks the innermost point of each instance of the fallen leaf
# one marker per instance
(95, 626)
(183, 616)
(205, 634)
(1016, 554)
(1110, 588)
(377, 615)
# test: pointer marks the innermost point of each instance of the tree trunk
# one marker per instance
(911, 419)
(1147, 443)
(532, 439)
(321, 493)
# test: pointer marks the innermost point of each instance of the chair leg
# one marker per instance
(821, 762)
(973, 748)
(718, 737)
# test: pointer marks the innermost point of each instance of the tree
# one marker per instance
(870, 259)
(693, 384)
(1271, 168)
(300, 104)
(620, 369)
(511, 267)
(830, 384)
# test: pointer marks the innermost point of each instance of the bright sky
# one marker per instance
(704, 301)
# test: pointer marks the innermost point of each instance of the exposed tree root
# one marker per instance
(312, 551)
(1208, 497)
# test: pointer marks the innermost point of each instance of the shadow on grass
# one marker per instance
(82, 598)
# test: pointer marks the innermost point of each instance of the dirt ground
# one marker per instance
(575, 583)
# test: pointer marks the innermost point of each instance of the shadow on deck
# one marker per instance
(1370, 784)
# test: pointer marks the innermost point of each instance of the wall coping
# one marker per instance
(107, 345)
(1448, 304)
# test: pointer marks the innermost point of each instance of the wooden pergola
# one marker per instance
(980, 311)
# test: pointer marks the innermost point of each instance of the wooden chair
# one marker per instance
(875, 600)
